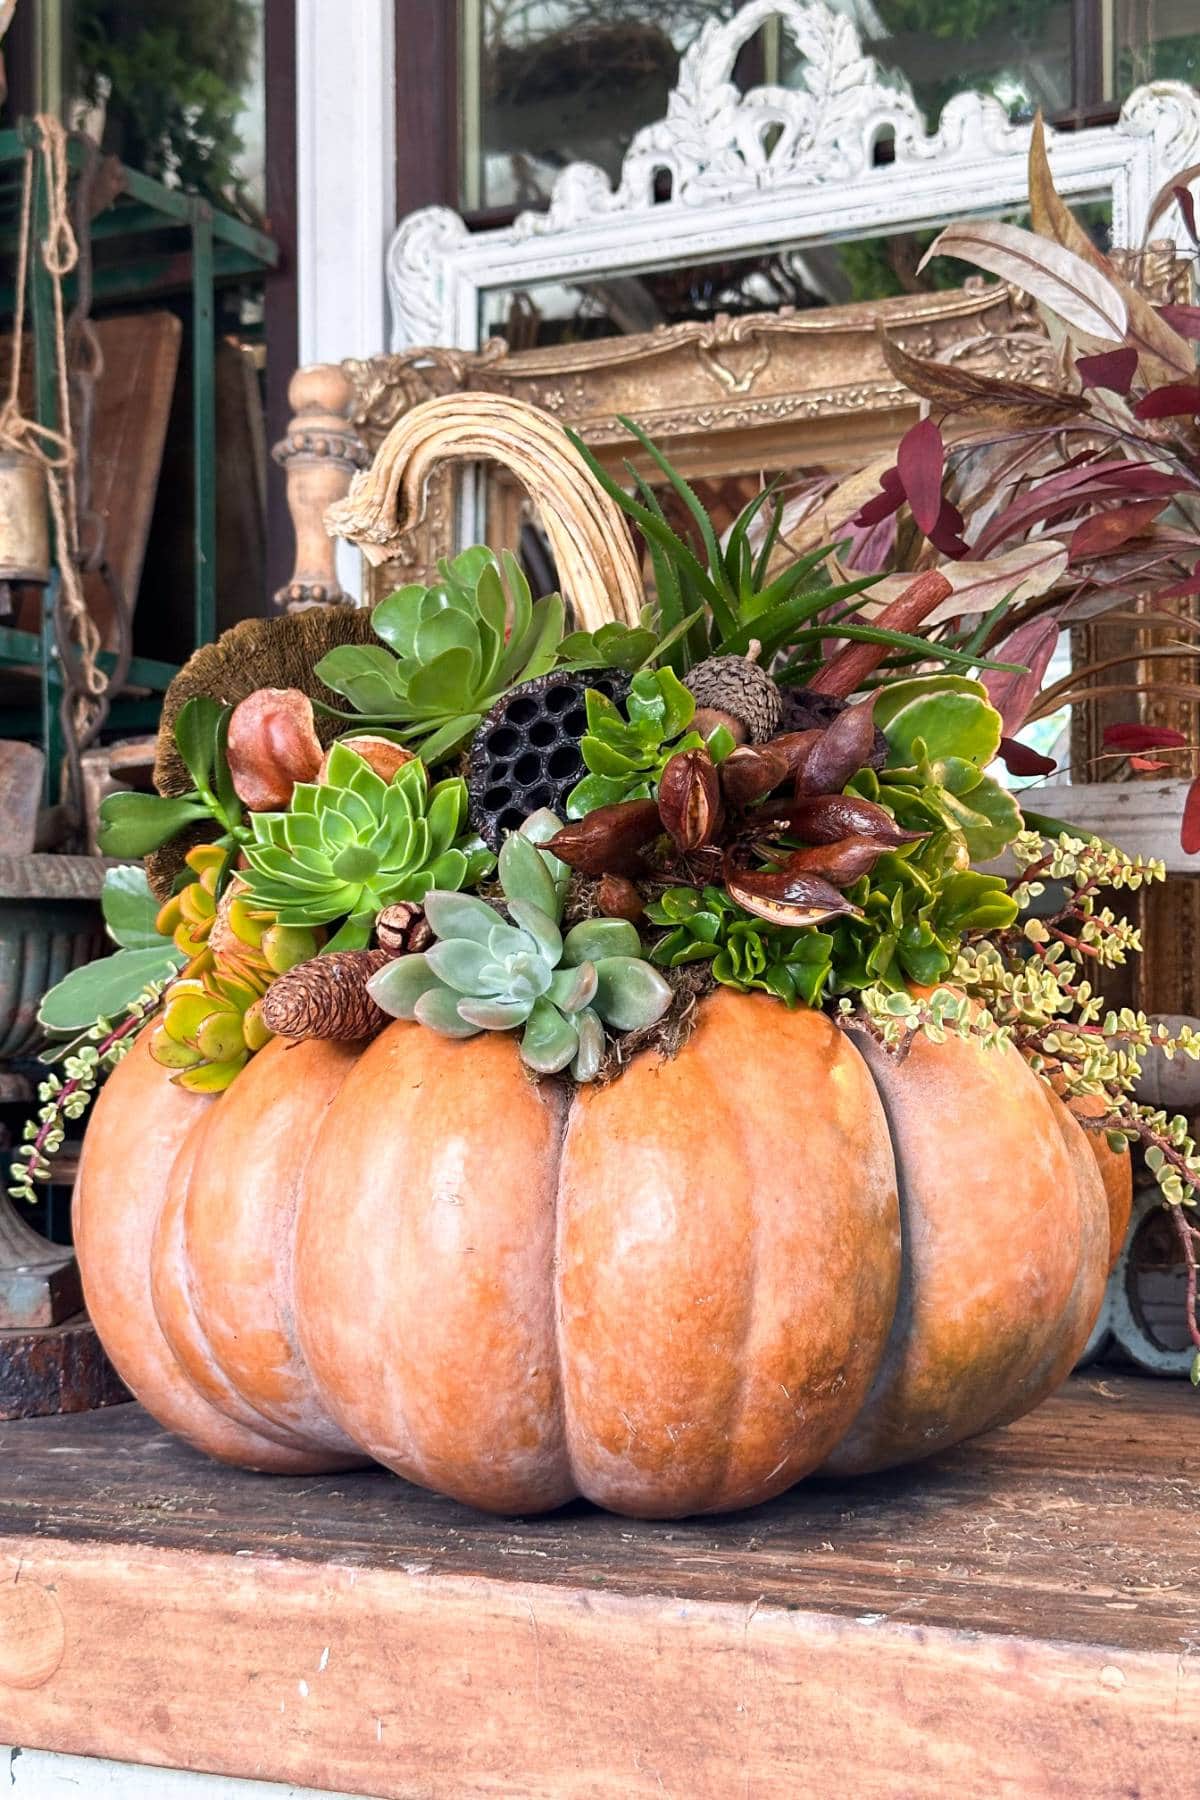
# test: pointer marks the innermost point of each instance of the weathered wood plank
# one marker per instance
(1018, 1614)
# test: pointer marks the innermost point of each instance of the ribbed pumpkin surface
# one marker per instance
(681, 1293)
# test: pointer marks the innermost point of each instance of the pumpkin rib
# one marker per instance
(992, 1239)
(139, 1124)
(662, 1197)
(174, 1308)
(437, 1352)
(257, 1142)
(1091, 1275)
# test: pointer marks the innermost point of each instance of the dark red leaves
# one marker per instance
(1022, 759)
(1112, 369)
(920, 462)
(1189, 830)
(1107, 531)
(1130, 735)
(1183, 319)
(1032, 645)
(889, 500)
(1187, 207)
(917, 478)
(1183, 590)
(1173, 401)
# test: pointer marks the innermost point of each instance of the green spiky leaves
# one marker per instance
(490, 973)
(353, 844)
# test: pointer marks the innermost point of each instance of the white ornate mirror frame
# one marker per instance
(780, 168)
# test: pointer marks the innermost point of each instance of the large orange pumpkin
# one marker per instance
(781, 1252)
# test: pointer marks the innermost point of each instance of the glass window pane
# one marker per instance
(548, 82)
(1018, 50)
(1153, 40)
(174, 88)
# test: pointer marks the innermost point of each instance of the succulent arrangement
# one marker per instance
(772, 783)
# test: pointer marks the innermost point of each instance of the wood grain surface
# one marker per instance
(1017, 1615)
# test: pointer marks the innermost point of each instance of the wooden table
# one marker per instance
(1021, 1616)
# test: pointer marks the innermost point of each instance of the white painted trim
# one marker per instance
(345, 185)
(345, 174)
(49, 1775)
(1140, 817)
(780, 167)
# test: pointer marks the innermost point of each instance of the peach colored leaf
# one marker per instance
(1078, 292)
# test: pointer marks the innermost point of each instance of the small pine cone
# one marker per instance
(327, 997)
(402, 929)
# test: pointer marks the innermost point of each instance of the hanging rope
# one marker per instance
(54, 450)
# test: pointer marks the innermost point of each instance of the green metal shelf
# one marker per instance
(197, 247)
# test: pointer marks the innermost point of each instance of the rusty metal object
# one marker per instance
(24, 520)
(61, 1370)
(50, 923)
(22, 773)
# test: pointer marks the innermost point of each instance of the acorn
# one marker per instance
(735, 692)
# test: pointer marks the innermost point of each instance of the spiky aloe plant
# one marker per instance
(448, 652)
(727, 602)
(488, 973)
(354, 843)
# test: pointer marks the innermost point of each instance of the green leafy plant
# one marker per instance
(705, 925)
(136, 824)
(625, 756)
(942, 733)
(722, 604)
(145, 958)
(491, 973)
(448, 652)
(353, 844)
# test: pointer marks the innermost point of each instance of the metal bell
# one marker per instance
(24, 520)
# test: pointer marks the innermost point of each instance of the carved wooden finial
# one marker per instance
(596, 562)
(320, 454)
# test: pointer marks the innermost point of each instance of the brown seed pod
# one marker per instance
(378, 753)
(842, 863)
(327, 997)
(610, 840)
(402, 928)
(749, 773)
(617, 898)
(272, 744)
(840, 752)
(825, 818)
(689, 799)
(787, 897)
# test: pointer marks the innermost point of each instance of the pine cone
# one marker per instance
(327, 998)
(402, 928)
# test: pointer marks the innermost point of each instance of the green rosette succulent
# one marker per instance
(448, 652)
(625, 754)
(353, 844)
(489, 973)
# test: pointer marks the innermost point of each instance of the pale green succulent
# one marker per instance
(488, 973)
(353, 844)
